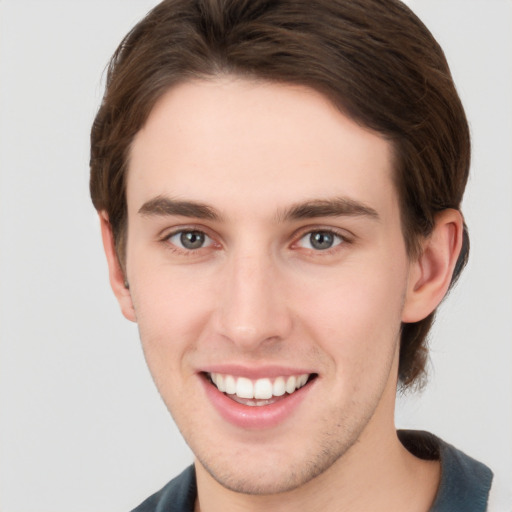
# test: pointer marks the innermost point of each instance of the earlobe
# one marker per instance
(117, 277)
(430, 275)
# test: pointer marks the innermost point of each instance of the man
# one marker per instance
(279, 188)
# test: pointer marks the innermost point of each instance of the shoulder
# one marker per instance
(465, 482)
(500, 497)
(178, 495)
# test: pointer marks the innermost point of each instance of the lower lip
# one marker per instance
(254, 417)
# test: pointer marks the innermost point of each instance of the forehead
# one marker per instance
(238, 144)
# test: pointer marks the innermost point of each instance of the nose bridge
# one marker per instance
(253, 306)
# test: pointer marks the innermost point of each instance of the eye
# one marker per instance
(320, 240)
(190, 240)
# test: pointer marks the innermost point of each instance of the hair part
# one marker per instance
(374, 59)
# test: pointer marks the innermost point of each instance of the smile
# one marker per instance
(260, 391)
(257, 399)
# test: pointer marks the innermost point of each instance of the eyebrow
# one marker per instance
(335, 207)
(162, 206)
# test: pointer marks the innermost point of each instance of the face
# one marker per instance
(268, 274)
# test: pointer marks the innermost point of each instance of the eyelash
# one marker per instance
(343, 238)
(338, 239)
(297, 237)
(182, 251)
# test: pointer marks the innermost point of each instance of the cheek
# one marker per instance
(171, 311)
(356, 315)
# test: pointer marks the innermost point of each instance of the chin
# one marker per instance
(273, 473)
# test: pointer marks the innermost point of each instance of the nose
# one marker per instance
(252, 308)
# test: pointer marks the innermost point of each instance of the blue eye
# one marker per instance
(190, 240)
(320, 240)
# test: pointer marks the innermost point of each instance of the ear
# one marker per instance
(116, 273)
(431, 274)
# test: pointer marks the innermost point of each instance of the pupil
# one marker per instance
(321, 240)
(192, 239)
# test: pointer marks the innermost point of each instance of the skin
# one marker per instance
(258, 294)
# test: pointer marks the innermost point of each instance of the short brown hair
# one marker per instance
(374, 59)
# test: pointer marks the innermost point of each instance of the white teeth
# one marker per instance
(260, 389)
(230, 385)
(219, 382)
(302, 380)
(244, 388)
(291, 384)
(279, 387)
(263, 389)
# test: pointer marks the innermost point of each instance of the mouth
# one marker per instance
(259, 392)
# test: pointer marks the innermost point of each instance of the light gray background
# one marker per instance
(82, 427)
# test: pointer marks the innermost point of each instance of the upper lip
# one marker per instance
(256, 372)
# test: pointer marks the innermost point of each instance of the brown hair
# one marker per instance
(374, 59)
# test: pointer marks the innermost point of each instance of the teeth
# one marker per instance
(219, 382)
(291, 384)
(279, 387)
(260, 389)
(230, 385)
(301, 380)
(244, 388)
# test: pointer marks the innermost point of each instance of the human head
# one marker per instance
(373, 59)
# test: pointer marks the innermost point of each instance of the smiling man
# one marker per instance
(279, 188)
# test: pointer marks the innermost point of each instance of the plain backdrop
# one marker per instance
(82, 428)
